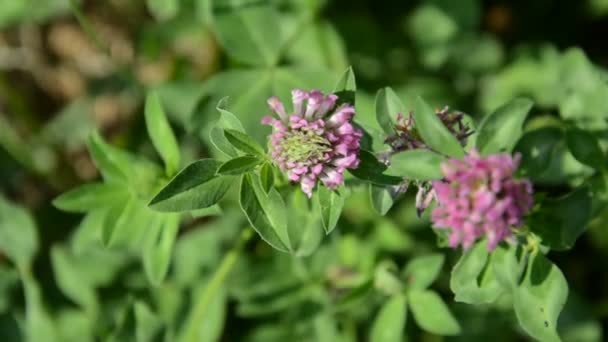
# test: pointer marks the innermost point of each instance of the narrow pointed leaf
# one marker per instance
(91, 196)
(243, 142)
(330, 204)
(195, 187)
(161, 134)
(239, 165)
(259, 208)
(346, 87)
(388, 105)
(433, 131)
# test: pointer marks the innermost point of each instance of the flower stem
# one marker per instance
(197, 314)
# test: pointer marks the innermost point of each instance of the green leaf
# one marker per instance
(39, 324)
(540, 298)
(433, 131)
(195, 187)
(211, 327)
(382, 197)
(371, 170)
(148, 325)
(432, 314)
(388, 105)
(161, 134)
(227, 120)
(389, 324)
(330, 205)
(346, 87)
(239, 165)
(416, 164)
(125, 224)
(163, 9)
(249, 32)
(267, 176)
(305, 227)
(214, 210)
(91, 196)
(71, 281)
(422, 271)
(88, 233)
(472, 279)
(585, 148)
(386, 279)
(158, 252)
(18, 235)
(113, 163)
(509, 264)
(499, 131)
(244, 143)
(536, 148)
(559, 222)
(265, 212)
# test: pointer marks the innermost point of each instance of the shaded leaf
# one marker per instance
(585, 148)
(346, 87)
(371, 170)
(250, 33)
(244, 143)
(18, 235)
(560, 222)
(536, 148)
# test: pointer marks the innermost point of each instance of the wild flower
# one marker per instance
(479, 197)
(316, 141)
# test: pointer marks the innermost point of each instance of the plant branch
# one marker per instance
(197, 314)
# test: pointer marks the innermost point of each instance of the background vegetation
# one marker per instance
(68, 68)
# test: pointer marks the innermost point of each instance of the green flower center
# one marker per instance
(304, 146)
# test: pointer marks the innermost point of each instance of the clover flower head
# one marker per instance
(316, 142)
(480, 197)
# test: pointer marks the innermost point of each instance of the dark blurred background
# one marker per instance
(61, 77)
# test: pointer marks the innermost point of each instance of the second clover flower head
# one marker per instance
(316, 142)
(480, 198)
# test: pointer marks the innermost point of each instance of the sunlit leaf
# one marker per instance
(389, 324)
(196, 186)
(433, 132)
(161, 134)
(432, 314)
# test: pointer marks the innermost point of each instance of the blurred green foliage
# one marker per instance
(124, 272)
